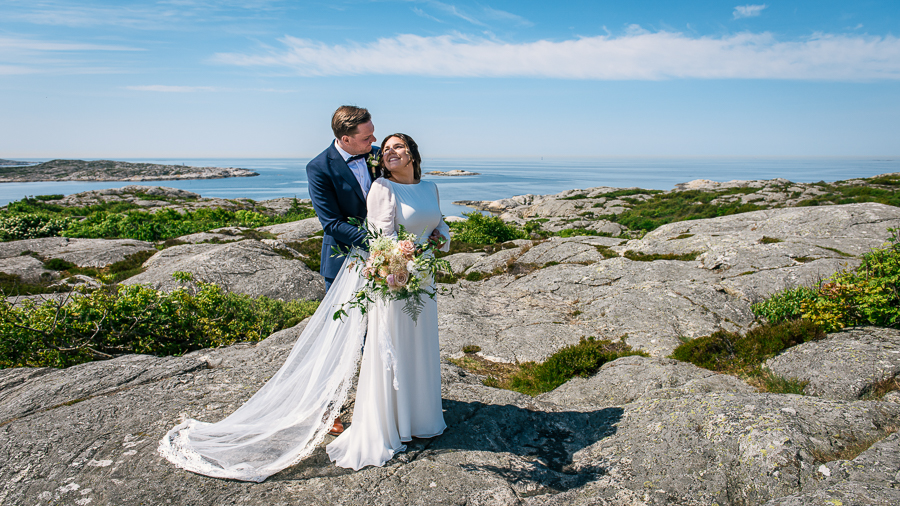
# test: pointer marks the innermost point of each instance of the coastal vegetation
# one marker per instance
(866, 295)
(34, 217)
(85, 325)
(532, 378)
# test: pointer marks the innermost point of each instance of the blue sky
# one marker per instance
(260, 78)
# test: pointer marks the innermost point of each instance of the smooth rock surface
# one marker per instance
(295, 230)
(629, 378)
(28, 268)
(844, 365)
(81, 252)
(248, 266)
(501, 447)
(655, 302)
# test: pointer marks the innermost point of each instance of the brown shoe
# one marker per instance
(337, 428)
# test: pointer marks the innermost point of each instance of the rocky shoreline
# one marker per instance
(641, 431)
(107, 170)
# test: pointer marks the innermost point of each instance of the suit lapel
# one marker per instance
(341, 167)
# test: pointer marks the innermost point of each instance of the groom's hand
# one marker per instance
(437, 238)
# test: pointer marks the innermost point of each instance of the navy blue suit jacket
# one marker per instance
(336, 197)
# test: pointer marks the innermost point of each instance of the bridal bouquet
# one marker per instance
(396, 269)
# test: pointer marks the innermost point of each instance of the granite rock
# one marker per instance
(249, 266)
(844, 365)
(81, 252)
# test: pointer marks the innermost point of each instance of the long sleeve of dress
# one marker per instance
(442, 227)
(381, 208)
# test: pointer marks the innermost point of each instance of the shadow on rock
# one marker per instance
(545, 442)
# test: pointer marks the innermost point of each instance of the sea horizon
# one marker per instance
(499, 177)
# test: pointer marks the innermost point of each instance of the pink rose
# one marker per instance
(407, 249)
(401, 278)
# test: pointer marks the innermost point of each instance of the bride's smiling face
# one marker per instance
(396, 154)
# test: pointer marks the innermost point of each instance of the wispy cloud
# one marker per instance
(638, 55)
(25, 55)
(34, 45)
(160, 88)
(478, 17)
(425, 15)
(748, 11)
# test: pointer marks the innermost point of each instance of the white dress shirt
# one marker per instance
(359, 169)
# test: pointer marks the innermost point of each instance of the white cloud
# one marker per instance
(170, 89)
(748, 11)
(639, 55)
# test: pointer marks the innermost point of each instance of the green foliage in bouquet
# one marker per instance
(481, 229)
(115, 320)
(395, 270)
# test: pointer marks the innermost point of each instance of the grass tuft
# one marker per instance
(532, 378)
(643, 257)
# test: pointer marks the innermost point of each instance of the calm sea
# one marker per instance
(500, 177)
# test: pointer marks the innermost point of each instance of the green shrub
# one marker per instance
(867, 295)
(311, 249)
(481, 229)
(644, 257)
(15, 227)
(122, 319)
(58, 264)
(31, 217)
(574, 232)
(785, 305)
(733, 353)
(12, 285)
(582, 359)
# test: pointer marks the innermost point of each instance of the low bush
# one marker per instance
(645, 257)
(582, 359)
(32, 218)
(481, 229)
(867, 295)
(733, 353)
(14, 227)
(120, 319)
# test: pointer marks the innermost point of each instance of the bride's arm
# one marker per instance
(442, 228)
(381, 208)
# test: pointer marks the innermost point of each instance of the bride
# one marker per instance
(399, 390)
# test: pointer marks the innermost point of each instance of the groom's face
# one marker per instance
(361, 142)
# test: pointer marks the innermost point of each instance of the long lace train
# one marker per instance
(291, 414)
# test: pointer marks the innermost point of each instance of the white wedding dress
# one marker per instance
(399, 390)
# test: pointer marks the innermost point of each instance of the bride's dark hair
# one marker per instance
(413, 153)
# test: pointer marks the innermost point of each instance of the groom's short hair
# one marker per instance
(347, 118)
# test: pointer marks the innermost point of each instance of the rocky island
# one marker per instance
(452, 173)
(642, 430)
(11, 163)
(107, 170)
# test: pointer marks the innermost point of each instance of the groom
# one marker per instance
(339, 180)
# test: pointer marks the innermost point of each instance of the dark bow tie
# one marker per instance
(356, 157)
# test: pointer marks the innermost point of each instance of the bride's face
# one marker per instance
(396, 155)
